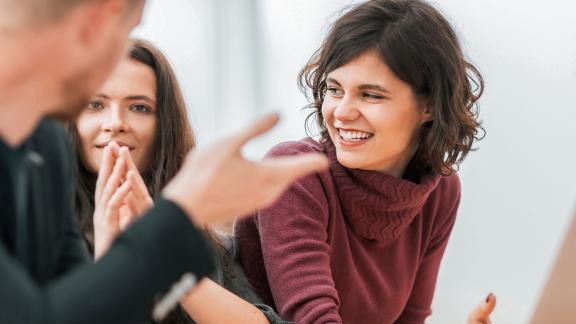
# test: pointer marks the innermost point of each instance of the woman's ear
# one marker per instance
(427, 115)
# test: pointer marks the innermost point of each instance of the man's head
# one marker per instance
(74, 44)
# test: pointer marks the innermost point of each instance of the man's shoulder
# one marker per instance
(50, 132)
(50, 145)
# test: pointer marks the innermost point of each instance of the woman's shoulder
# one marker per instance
(449, 187)
(444, 201)
(305, 145)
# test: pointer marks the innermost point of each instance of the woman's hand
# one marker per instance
(120, 197)
(481, 315)
(108, 198)
(138, 200)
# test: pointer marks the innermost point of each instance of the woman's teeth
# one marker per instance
(354, 136)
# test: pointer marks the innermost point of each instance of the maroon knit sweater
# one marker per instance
(350, 246)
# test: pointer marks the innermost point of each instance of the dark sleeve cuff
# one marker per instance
(271, 315)
(169, 243)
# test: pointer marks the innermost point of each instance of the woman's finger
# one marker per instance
(106, 165)
(141, 196)
(114, 180)
(481, 314)
(127, 215)
(106, 222)
(124, 153)
(131, 203)
(115, 148)
(139, 186)
(117, 200)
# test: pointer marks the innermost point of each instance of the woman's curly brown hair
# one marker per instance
(420, 46)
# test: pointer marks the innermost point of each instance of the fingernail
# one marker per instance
(488, 297)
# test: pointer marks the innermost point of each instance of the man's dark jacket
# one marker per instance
(55, 281)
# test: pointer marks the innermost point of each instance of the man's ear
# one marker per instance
(96, 18)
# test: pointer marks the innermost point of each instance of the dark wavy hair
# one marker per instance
(420, 46)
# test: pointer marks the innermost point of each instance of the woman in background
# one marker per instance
(394, 99)
(131, 140)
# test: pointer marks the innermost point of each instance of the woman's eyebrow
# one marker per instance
(140, 97)
(373, 87)
(332, 80)
(367, 86)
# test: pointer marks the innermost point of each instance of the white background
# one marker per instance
(237, 59)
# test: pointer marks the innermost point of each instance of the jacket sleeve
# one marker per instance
(418, 307)
(122, 287)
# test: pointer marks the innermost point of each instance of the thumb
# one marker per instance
(294, 167)
(482, 312)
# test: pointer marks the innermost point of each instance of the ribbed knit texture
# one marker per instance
(350, 246)
(376, 205)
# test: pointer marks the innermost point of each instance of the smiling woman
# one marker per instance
(394, 99)
(371, 110)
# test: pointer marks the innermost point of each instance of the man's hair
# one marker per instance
(21, 13)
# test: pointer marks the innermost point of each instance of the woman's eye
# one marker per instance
(373, 96)
(334, 91)
(140, 108)
(95, 105)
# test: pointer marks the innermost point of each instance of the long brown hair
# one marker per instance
(174, 137)
(420, 46)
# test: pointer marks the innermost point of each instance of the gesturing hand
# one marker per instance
(217, 183)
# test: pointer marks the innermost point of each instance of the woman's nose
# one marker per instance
(115, 122)
(346, 109)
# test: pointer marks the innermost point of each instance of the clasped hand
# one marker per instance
(121, 196)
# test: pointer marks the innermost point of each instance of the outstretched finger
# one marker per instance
(256, 129)
(294, 167)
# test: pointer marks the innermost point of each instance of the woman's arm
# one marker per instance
(418, 307)
(296, 254)
(210, 303)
